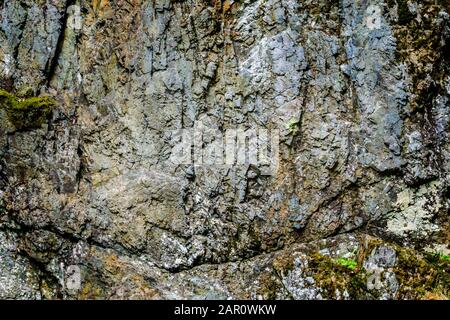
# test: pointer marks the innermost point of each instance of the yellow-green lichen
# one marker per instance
(332, 276)
(270, 286)
(26, 113)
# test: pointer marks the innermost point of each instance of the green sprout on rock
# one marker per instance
(348, 263)
(292, 126)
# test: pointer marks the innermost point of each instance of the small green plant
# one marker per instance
(348, 263)
(26, 113)
(440, 256)
(292, 126)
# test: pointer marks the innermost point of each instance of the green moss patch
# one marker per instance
(404, 15)
(26, 113)
(443, 257)
(293, 126)
(348, 263)
(420, 277)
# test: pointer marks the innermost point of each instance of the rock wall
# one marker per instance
(93, 206)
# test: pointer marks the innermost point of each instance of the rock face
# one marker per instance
(93, 205)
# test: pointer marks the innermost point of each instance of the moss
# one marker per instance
(90, 291)
(422, 277)
(348, 263)
(271, 283)
(443, 257)
(404, 15)
(419, 277)
(328, 275)
(49, 289)
(331, 276)
(270, 286)
(26, 113)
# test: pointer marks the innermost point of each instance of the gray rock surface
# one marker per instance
(92, 205)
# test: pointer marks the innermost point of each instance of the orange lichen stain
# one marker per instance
(143, 290)
(97, 5)
(223, 9)
(284, 212)
(90, 291)
(226, 6)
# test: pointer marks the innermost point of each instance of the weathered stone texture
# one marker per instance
(359, 91)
